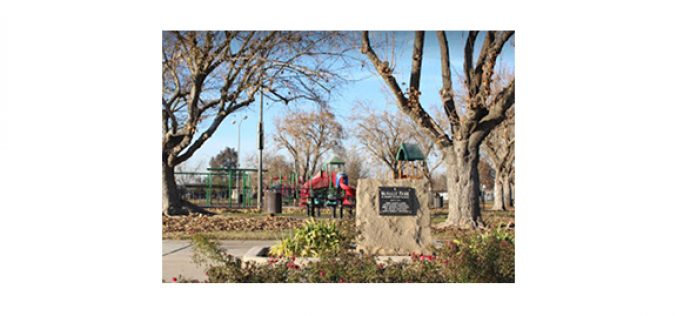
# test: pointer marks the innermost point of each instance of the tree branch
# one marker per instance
(491, 153)
(502, 103)
(447, 91)
(409, 106)
(489, 58)
(496, 114)
(416, 62)
(468, 62)
(212, 128)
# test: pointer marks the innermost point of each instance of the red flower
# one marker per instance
(427, 258)
(293, 258)
(174, 280)
(341, 280)
(322, 273)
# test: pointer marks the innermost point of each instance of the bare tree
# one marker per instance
(499, 147)
(308, 136)
(275, 165)
(468, 128)
(210, 75)
(486, 171)
(356, 166)
(381, 134)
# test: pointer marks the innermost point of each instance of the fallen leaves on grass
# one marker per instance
(491, 219)
(198, 224)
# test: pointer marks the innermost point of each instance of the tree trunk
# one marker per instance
(512, 193)
(171, 201)
(498, 193)
(507, 196)
(463, 187)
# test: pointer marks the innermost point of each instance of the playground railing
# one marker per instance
(228, 189)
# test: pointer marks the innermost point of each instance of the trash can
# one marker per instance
(274, 202)
(439, 201)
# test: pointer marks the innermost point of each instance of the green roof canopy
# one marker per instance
(335, 161)
(409, 152)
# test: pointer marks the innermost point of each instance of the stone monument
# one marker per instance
(392, 217)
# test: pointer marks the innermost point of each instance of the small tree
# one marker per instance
(380, 134)
(468, 128)
(227, 158)
(308, 136)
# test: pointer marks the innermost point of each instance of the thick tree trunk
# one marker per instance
(498, 193)
(463, 186)
(171, 200)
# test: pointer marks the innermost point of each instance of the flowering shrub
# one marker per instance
(181, 279)
(485, 257)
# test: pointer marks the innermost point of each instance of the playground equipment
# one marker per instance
(409, 162)
(410, 159)
(287, 185)
(328, 188)
(219, 187)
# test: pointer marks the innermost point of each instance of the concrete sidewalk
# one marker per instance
(177, 257)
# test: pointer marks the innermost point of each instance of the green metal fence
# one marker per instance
(235, 188)
(229, 188)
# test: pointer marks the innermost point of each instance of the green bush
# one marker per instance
(313, 239)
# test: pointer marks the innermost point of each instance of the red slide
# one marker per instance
(319, 181)
(350, 192)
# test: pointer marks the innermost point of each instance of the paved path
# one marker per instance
(177, 256)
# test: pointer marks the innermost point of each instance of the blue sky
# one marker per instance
(369, 89)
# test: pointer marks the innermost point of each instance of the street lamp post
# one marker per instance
(259, 193)
(238, 139)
